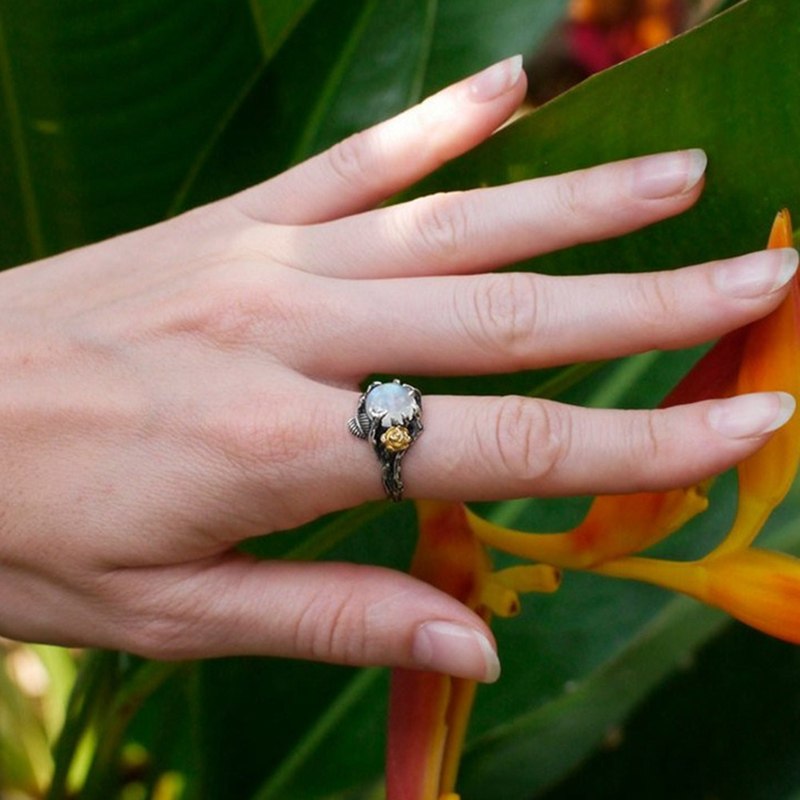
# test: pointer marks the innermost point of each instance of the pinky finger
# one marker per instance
(332, 612)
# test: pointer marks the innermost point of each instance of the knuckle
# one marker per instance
(331, 628)
(235, 306)
(439, 227)
(530, 438)
(649, 446)
(502, 315)
(655, 300)
(569, 196)
(352, 158)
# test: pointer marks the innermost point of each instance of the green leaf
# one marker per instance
(471, 34)
(344, 67)
(723, 726)
(729, 87)
(104, 107)
(276, 19)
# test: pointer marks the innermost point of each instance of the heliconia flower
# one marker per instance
(428, 712)
(759, 587)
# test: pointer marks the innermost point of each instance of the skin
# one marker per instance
(171, 392)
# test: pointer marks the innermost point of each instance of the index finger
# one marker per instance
(372, 165)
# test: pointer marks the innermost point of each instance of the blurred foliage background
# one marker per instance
(115, 115)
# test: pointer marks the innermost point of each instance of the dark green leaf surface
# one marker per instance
(576, 663)
(103, 108)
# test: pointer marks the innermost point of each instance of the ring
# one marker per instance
(389, 417)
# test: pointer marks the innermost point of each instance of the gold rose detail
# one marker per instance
(396, 439)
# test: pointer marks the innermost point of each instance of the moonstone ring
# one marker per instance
(389, 417)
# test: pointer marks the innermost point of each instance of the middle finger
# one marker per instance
(482, 229)
(513, 321)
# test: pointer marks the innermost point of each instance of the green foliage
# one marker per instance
(113, 115)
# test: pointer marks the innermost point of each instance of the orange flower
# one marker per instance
(770, 361)
(428, 712)
(758, 587)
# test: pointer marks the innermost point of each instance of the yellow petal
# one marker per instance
(616, 525)
(501, 590)
(758, 587)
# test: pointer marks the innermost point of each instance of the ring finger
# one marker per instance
(493, 448)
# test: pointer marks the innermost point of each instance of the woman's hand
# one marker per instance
(174, 391)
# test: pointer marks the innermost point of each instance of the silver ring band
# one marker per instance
(389, 417)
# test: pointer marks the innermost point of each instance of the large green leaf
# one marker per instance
(723, 726)
(729, 87)
(103, 109)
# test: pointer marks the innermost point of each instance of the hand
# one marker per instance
(174, 391)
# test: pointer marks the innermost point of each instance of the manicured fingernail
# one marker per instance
(756, 274)
(668, 174)
(455, 650)
(750, 415)
(495, 80)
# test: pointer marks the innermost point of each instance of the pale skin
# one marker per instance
(172, 392)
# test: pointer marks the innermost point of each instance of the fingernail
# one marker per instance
(455, 650)
(756, 274)
(668, 174)
(495, 80)
(750, 415)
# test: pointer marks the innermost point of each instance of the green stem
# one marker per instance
(91, 691)
(103, 773)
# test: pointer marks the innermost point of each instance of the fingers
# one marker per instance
(512, 321)
(372, 165)
(493, 448)
(341, 613)
(485, 228)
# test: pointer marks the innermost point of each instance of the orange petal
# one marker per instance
(448, 556)
(417, 736)
(758, 587)
(770, 362)
(428, 712)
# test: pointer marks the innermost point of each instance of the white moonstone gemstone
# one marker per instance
(391, 402)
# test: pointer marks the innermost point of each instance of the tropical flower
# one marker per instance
(429, 712)
(604, 32)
